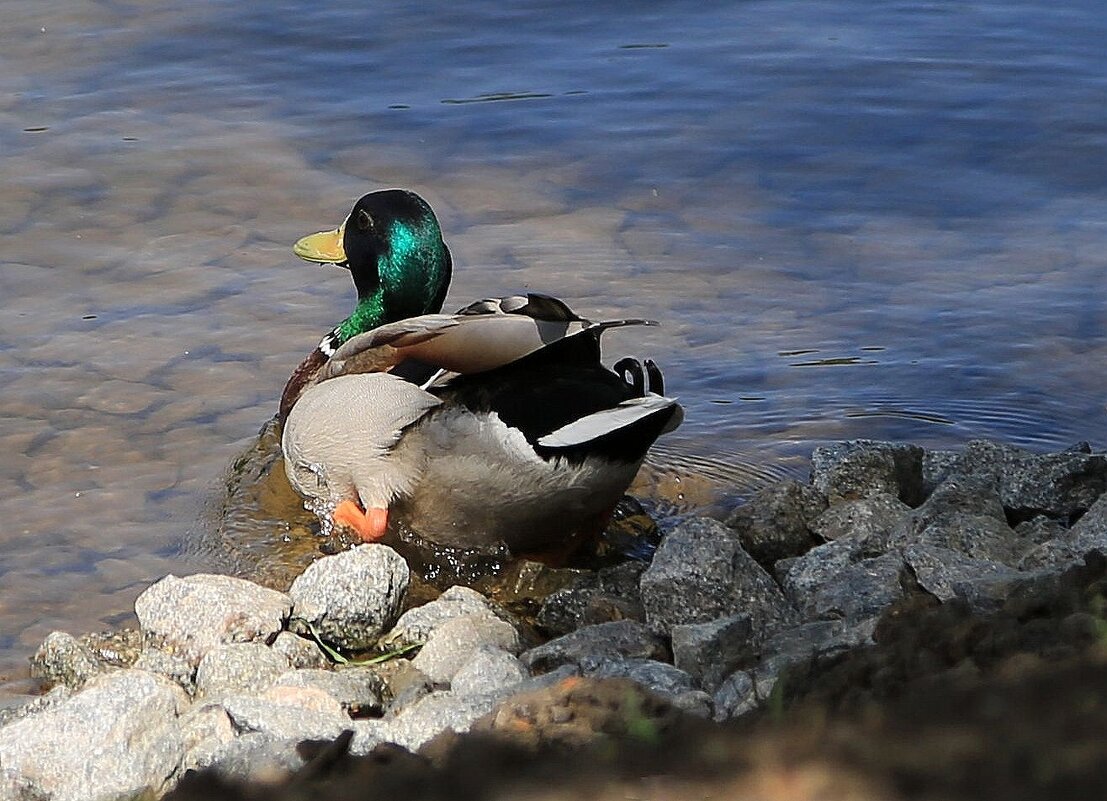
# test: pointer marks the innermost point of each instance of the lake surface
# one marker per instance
(854, 219)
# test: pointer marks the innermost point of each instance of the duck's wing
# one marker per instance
(483, 336)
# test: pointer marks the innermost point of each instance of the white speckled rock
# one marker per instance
(415, 625)
(117, 736)
(354, 689)
(300, 651)
(191, 616)
(455, 641)
(488, 670)
(244, 667)
(288, 715)
(433, 714)
(352, 597)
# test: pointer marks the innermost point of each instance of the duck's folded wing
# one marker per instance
(481, 338)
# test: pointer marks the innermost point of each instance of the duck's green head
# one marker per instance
(393, 248)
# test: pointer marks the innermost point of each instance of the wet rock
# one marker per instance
(415, 625)
(863, 468)
(599, 597)
(711, 651)
(836, 581)
(118, 736)
(488, 670)
(114, 648)
(622, 639)
(190, 616)
(863, 520)
(357, 690)
(454, 641)
(775, 522)
(299, 651)
(246, 667)
(665, 680)
(701, 573)
(62, 659)
(350, 598)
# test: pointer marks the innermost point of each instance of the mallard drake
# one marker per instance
(495, 425)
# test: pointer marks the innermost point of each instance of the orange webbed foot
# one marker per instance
(370, 525)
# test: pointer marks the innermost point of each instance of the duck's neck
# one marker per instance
(369, 313)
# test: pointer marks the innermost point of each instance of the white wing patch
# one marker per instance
(597, 424)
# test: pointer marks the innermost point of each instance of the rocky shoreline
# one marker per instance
(226, 677)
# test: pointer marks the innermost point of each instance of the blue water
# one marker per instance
(853, 219)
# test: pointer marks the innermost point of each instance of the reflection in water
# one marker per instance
(777, 182)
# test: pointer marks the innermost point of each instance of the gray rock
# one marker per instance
(743, 692)
(621, 639)
(664, 679)
(835, 581)
(599, 597)
(415, 625)
(937, 467)
(246, 667)
(489, 670)
(300, 651)
(288, 713)
(746, 690)
(405, 684)
(62, 659)
(700, 572)
(775, 522)
(350, 598)
(205, 731)
(863, 468)
(434, 714)
(190, 616)
(949, 574)
(173, 667)
(257, 759)
(865, 520)
(1039, 529)
(819, 639)
(455, 640)
(1060, 485)
(357, 691)
(963, 514)
(14, 787)
(1068, 548)
(118, 736)
(35, 705)
(711, 651)
(368, 734)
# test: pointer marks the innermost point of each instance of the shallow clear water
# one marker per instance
(854, 219)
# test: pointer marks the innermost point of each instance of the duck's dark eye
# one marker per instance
(363, 221)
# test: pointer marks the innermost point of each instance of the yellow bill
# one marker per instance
(324, 247)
